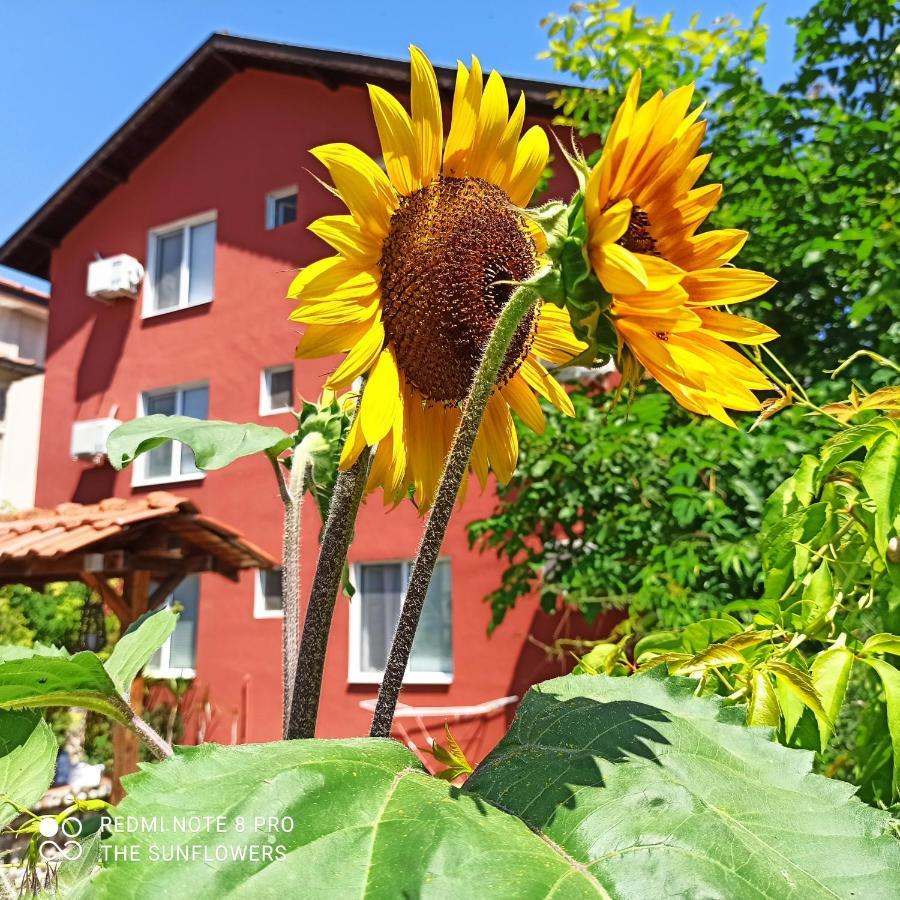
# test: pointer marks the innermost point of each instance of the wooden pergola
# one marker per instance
(133, 553)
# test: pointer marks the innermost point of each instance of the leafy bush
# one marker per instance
(644, 507)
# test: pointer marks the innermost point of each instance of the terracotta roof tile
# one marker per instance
(35, 534)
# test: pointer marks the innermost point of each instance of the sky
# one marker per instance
(72, 71)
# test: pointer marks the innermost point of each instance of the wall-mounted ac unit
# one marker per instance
(115, 276)
(89, 437)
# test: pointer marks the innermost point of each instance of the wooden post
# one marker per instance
(135, 594)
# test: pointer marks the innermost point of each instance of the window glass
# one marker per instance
(432, 647)
(159, 460)
(202, 262)
(195, 403)
(281, 388)
(183, 642)
(167, 278)
(270, 582)
(180, 650)
(285, 210)
(381, 588)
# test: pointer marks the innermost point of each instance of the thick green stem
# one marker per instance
(336, 537)
(157, 745)
(522, 300)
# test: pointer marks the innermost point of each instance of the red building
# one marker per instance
(208, 186)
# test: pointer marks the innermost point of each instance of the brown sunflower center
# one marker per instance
(637, 237)
(448, 247)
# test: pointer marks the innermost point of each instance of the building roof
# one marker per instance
(158, 532)
(24, 293)
(211, 65)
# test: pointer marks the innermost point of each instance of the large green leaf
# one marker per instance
(215, 444)
(366, 819)
(660, 793)
(27, 760)
(604, 787)
(43, 681)
(135, 647)
(830, 674)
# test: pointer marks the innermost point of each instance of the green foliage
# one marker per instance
(215, 444)
(829, 604)
(648, 508)
(810, 170)
(27, 761)
(603, 787)
(51, 616)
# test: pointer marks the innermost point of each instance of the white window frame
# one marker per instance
(355, 673)
(272, 199)
(163, 670)
(148, 309)
(259, 598)
(138, 478)
(265, 389)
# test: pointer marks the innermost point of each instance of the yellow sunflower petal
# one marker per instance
(710, 249)
(398, 144)
(466, 104)
(502, 442)
(540, 380)
(711, 287)
(735, 328)
(362, 185)
(425, 102)
(353, 446)
(325, 340)
(360, 358)
(619, 270)
(504, 156)
(524, 404)
(344, 311)
(661, 274)
(344, 235)
(380, 399)
(612, 223)
(531, 159)
(492, 118)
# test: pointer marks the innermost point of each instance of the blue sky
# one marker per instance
(71, 73)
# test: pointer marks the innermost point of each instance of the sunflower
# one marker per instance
(643, 213)
(424, 266)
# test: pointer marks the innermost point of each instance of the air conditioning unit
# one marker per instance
(115, 276)
(89, 437)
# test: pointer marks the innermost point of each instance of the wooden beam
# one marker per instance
(109, 595)
(164, 588)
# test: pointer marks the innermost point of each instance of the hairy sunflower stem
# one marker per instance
(292, 495)
(304, 705)
(157, 745)
(521, 301)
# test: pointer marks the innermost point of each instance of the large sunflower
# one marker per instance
(423, 268)
(643, 212)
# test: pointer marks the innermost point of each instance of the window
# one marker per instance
(177, 658)
(281, 207)
(171, 461)
(181, 265)
(267, 598)
(373, 617)
(276, 390)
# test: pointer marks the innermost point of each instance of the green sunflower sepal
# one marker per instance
(569, 282)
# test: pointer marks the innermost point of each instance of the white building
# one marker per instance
(23, 345)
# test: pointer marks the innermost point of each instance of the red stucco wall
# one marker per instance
(251, 137)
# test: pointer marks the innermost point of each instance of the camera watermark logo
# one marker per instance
(60, 837)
